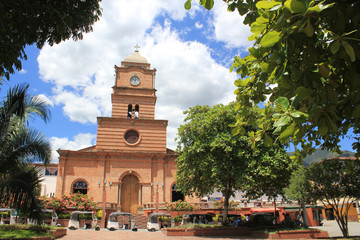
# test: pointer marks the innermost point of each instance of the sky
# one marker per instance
(191, 50)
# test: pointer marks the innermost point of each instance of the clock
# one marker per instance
(134, 80)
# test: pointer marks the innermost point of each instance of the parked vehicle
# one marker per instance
(51, 218)
(126, 219)
(197, 219)
(7, 216)
(90, 220)
(262, 219)
(158, 220)
(232, 219)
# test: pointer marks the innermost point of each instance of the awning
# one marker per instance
(253, 210)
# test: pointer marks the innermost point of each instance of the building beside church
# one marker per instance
(130, 165)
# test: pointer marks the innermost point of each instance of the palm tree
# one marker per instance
(19, 146)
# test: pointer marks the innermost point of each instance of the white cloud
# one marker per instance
(82, 73)
(80, 141)
(229, 27)
(22, 71)
(198, 25)
(46, 100)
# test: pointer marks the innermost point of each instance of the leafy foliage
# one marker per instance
(181, 206)
(220, 205)
(305, 60)
(212, 157)
(25, 22)
(75, 201)
(270, 175)
(299, 186)
(19, 145)
(334, 182)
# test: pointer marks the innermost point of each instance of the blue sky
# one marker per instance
(191, 50)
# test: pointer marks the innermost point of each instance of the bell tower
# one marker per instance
(132, 123)
(134, 91)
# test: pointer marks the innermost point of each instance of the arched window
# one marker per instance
(80, 187)
(129, 114)
(137, 111)
(176, 195)
(47, 172)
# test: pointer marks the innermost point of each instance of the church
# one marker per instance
(130, 165)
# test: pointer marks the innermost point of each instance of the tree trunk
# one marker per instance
(341, 220)
(306, 223)
(275, 215)
(226, 204)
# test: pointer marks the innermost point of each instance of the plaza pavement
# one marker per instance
(334, 231)
(142, 234)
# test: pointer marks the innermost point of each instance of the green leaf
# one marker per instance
(270, 39)
(257, 27)
(323, 129)
(266, 4)
(207, 4)
(268, 141)
(296, 114)
(349, 50)
(319, 7)
(288, 132)
(284, 120)
(295, 6)
(283, 102)
(242, 82)
(308, 29)
(187, 4)
(303, 92)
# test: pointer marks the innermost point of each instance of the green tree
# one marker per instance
(334, 182)
(299, 186)
(270, 175)
(298, 189)
(211, 157)
(20, 145)
(305, 58)
(27, 22)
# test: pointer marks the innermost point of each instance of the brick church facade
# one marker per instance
(130, 165)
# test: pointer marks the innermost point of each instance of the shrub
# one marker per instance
(99, 214)
(177, 218)
(181, 206)
(64, 215)
(220, 205)
(85, 216)
(77, 201)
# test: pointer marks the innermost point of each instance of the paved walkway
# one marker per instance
(142, 234)
(334, 231)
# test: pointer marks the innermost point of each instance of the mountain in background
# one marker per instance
(319, 155)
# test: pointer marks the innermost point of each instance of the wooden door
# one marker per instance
(130, 194)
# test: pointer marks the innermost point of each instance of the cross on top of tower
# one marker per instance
(136, 48)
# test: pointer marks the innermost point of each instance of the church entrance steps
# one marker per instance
(140, 220)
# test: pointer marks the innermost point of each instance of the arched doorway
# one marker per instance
(175, 194)
(130, 194)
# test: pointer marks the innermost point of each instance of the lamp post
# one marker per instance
(157, 198)
(104, 203)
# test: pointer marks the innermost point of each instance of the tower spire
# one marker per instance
(137, 48)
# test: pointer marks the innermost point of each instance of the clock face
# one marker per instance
(134, 80)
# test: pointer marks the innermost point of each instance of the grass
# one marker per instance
(23, 231)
